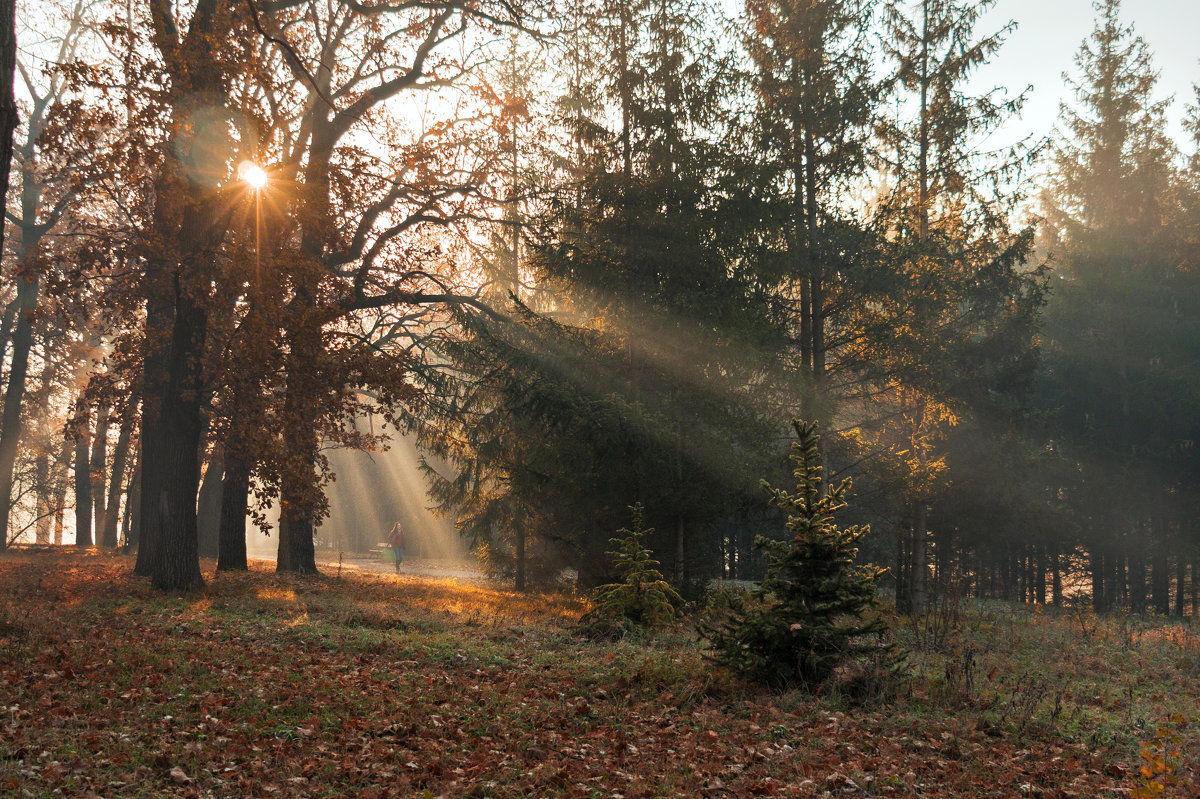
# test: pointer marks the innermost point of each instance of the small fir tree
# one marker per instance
(809, 615)
(642, 597)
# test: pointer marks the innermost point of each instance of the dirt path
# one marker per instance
(413, 567)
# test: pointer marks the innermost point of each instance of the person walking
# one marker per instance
(396, 541)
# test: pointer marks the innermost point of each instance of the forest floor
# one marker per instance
(371, 685)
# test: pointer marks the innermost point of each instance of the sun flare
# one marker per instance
(252, 175)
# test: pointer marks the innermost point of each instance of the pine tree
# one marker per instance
(811, 609)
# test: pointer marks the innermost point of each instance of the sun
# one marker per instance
(253, 175)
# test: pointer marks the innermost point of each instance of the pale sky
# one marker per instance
(1049, 33)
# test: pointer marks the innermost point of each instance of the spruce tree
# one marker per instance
(811, 609)
(642, 597)
(963, 344)
(1120, 369)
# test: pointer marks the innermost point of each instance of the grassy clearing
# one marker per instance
(263, 685)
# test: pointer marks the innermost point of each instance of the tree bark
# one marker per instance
(231, 544)
(186, 233)
(919, 564)
(1097, 567)
(83, 481)
(8, 104)
(1180, 583)
(132, 523)
(59, 498)
(116, 482)
(1056, 576)
(14, 396)
(41, 470)
(96, 470)
(1160, 575)
(208, 511)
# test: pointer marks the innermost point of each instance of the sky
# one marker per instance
(1049, 33)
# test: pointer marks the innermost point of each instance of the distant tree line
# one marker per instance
(599, 258)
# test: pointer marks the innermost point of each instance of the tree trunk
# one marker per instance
(59, 522)
(1180, 582)
(187, 228)
(41, 470)
(519, 581)
(132, 523)
(1040, 585)
(172, 432)
(296, 551)
(1160, 575)
(83, 481)
(903, 563)
(96, 469)
(117, 480)
(8, 104)
(919, 553)
(159, 313)
(6, 325)
(208, 510)
(296, 495)
(10, 422)
(1097, 566)
(231, 544)
(1195, 587)
(59, 498)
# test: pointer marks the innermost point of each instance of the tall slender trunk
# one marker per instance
(8, 104)
(816, 281)
(59, 498)
(83, 481)
(1040, 576)
(99, 460)
(903, 564)
(1056, 576)
(1180, 583)
(1097, 567)
(27, 296)
(132, 523)
(1195, 588)
(1160, 575)
(116, 481)
(920, 560)
(519, 581)
(6, 327)
(41, 471)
